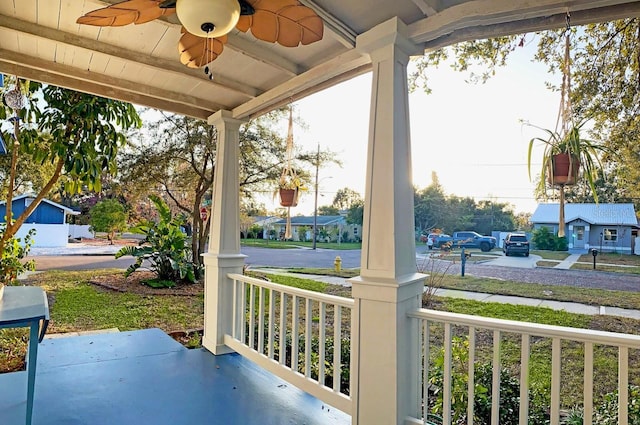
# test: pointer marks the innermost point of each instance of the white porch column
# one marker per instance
(223, 255)
(385, 341)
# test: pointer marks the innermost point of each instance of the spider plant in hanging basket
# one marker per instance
(566, 158)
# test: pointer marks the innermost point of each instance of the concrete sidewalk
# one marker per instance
(568, 262)
(484, 297)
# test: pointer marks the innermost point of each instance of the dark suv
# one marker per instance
(516, 243)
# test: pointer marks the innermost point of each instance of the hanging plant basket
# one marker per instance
(288, 197)
(564, 169)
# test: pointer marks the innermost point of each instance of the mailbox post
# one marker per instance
(594, 252)
(463, 260)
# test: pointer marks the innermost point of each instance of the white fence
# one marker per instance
(273, 325)
(80, 231)
(439, 328)
(47, 235)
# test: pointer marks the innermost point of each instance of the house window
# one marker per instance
(610, 235)
(355, 230)
(28, 202)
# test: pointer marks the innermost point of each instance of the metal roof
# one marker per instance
(40, 40)
(611, 214)
(55, 204)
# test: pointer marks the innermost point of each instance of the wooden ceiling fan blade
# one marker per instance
(124, 13)
(196, 52)
(285, 22)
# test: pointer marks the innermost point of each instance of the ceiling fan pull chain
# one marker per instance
(208, 53)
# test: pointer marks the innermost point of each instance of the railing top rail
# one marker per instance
(537, 329)
(317, 296)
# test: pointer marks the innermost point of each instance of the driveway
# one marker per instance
(515, 261)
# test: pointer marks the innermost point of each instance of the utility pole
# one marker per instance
(315, 205)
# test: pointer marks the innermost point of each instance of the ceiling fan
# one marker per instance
(206, 23)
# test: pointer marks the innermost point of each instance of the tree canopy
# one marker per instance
(74, 136)
(449, 213)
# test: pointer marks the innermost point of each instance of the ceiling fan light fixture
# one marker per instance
(208, 18)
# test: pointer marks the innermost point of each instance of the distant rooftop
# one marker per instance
(613, 214)
(322, 220)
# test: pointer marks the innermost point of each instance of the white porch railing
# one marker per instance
(446, 325)
(265, 314)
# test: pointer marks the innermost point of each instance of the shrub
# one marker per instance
(108, 216)
(164, 246)
(545, 240)
(607, 412)
(11, 264)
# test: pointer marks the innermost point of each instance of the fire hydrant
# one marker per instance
(337, 263)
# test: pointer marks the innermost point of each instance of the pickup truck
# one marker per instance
(466, 240)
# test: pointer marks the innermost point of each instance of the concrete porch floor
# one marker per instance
(145, 377)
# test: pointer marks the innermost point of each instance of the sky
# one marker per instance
(470, 135)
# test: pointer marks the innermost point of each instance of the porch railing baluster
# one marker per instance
(588, 384)
(252, 317)
(337, 347)
(271, 325)
(525, 351)
(308, 317)
(295, 333)
(283, 329)
(237, 308)
(261, 320)
(471, 371)
(446, 390)
(495, 380)
(243, 316)
(556, 361)
(425, 371)
(322, 338)
(623, 385)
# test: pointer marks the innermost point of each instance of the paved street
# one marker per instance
(508, 268)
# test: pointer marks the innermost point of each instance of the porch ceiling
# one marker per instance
(40, 40)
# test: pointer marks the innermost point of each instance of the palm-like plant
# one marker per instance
(164, 247)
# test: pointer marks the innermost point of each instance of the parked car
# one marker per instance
(431, 239)
(466, 239)
(516, 243)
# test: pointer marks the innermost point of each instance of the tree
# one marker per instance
(355, 213)
(328, 210)
(430, 206)
(79, 135)
(345, 198)
(108, 216)
(491, 216)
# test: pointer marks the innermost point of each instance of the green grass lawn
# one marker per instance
(551, 255)
(612, 258)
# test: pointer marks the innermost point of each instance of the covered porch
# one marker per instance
(389, 334)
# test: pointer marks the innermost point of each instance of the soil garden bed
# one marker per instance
(135, 284)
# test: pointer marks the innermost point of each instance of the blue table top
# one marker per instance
(21, 304)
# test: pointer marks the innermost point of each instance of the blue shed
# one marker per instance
(49, 219)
